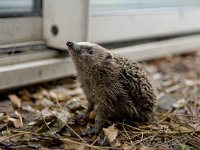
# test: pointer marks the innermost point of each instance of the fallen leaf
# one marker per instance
(165, 102)
(111, 133)
(44, 103)
(73, 104)
(62, 118)
(4, 117)
(43, 93)
(46, 126)
(19, 117)
(179, 104)
(142, 148)
(126, 147)
(4, 139)
(15, 100)
(60, 94)
(44, 148)
(16, 121)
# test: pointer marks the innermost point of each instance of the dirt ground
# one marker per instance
(45, 116)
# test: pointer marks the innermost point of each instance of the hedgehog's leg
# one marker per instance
(101, 117)
(85, 116)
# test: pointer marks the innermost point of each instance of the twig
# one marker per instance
(126, 133)
(93, 142)
(12, 136)
(134, 128)
(141, 141)
(87, 145)
(151, 141)
(66, 123)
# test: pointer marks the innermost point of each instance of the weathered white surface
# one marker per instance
(34, 72)
(137, 24)
(162, 48)
(22, 29)
(71, 19)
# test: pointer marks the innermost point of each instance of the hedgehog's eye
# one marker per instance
(90, 51)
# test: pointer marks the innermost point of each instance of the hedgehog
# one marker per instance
(118, 87)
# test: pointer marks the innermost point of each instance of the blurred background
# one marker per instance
(33, 33)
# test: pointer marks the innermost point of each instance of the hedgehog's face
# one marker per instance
(89, 53)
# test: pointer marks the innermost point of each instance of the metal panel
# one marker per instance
(23, 29)
(33, 72)
(106, 28)
(65, 20)
(162, 48)
(100, 6)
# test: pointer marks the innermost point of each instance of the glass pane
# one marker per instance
(118, 5)
(15, 6)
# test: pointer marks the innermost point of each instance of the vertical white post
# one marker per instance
(65, 20)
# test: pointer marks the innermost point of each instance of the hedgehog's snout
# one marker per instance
(70, 43)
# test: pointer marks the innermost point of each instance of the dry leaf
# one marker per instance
(179, 104)
(17, 121)
(43, 93)
(62, 118)
(44, 103)
(60, 94)
(44, 148)
(126, 147)
(73, 104)
(4, 139)
(142, 148)
(15, 100)
(19, 117)
(111, 133)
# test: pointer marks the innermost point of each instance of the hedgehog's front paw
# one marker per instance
(92, 131)
(99, 124)
(84, 116)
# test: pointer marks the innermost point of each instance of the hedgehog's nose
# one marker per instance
(69, 43)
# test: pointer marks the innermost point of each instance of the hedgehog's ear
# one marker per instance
(108, 58)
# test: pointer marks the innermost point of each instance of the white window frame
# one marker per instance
(138, 24)
(20, 29)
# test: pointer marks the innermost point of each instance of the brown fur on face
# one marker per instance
(118, 86)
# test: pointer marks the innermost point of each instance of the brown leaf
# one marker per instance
(179, 104)
(111, 133)
(15, 100)
(60, 94)
(4, 117)
(126, 147)
(42, 93)
(62, 118)
(43, 103)
(17, 121)
(19, 117)
(71, 146)
(44, 148)
(73, 104)
(4, 139)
